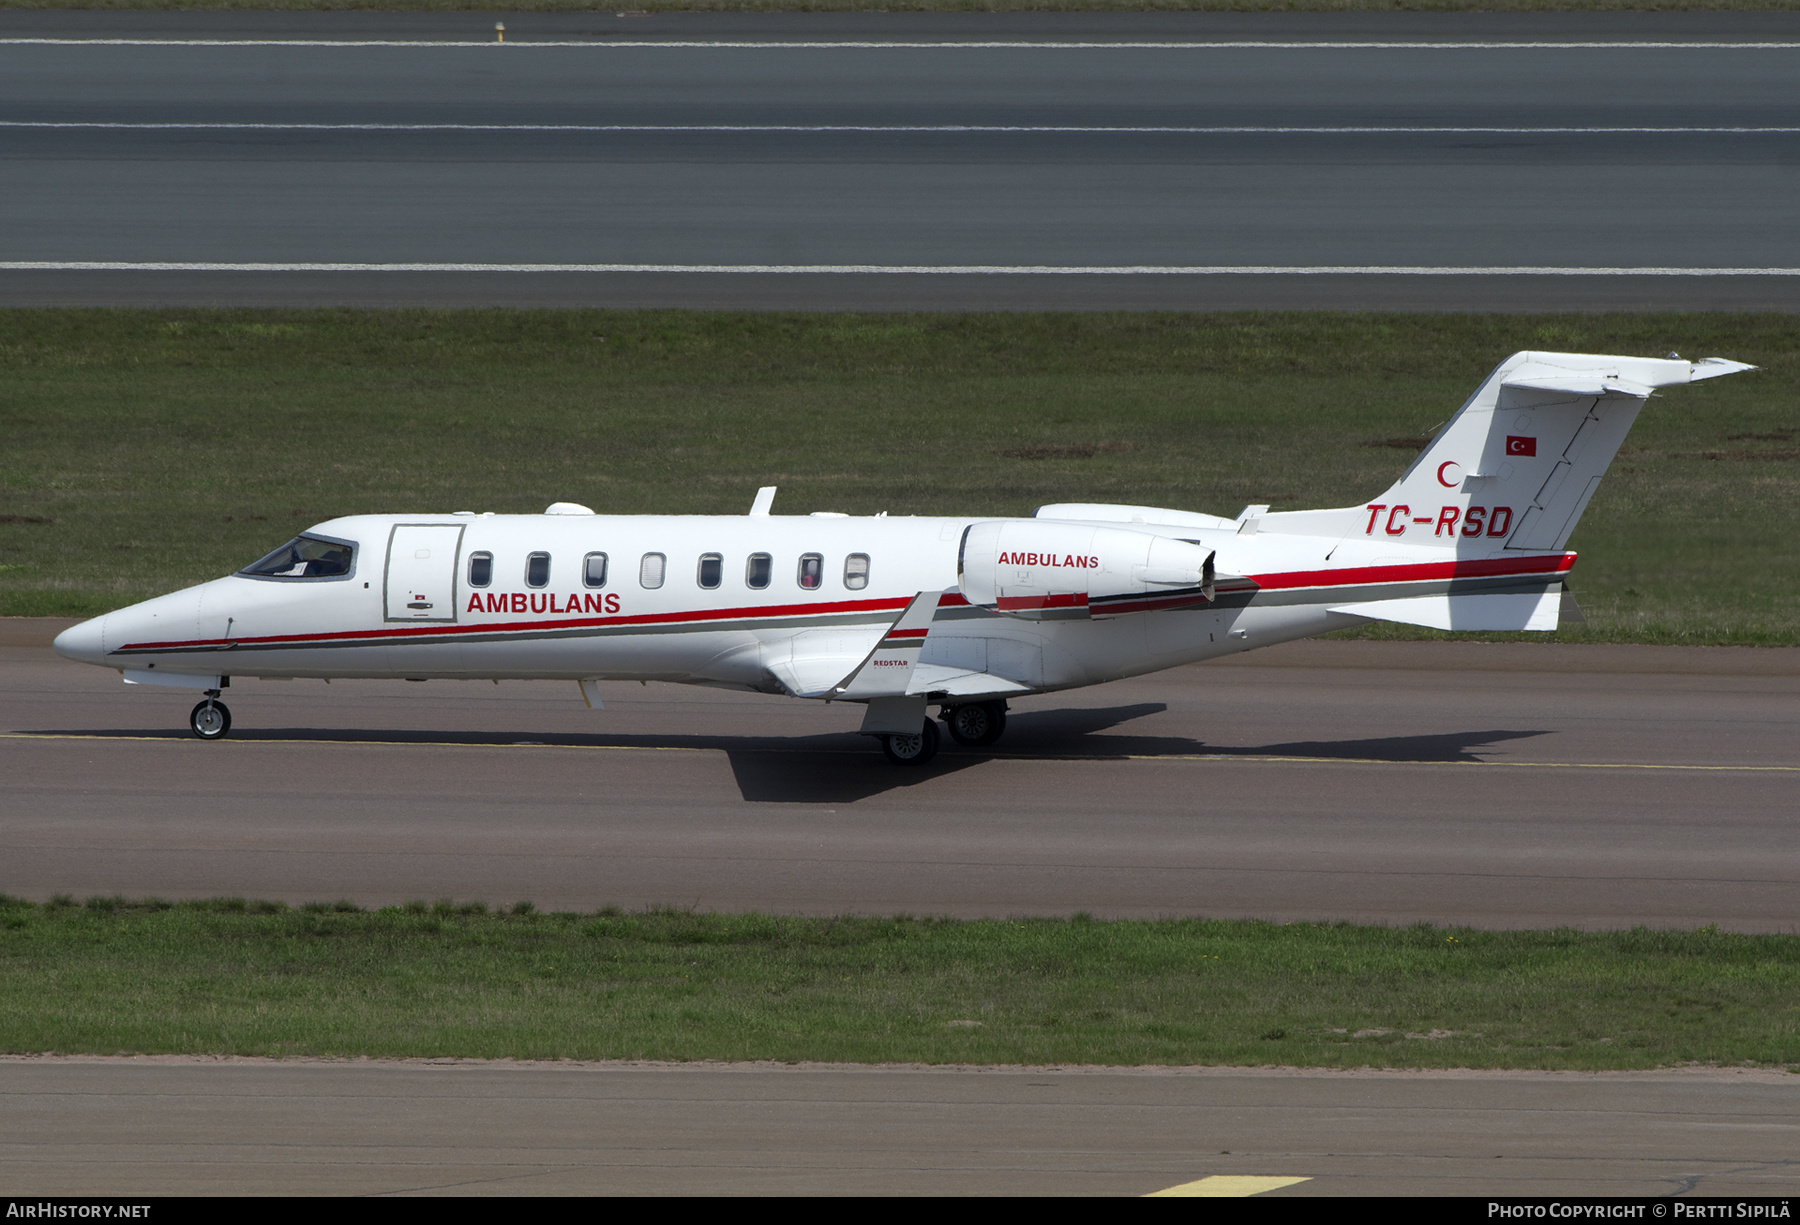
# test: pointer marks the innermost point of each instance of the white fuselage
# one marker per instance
(901, 612)
(414, 605)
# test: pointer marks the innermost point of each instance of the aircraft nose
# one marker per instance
(84, 643)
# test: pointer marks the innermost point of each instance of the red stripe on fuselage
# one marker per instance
(1362, 576)
(1421, 572)
(441, 629)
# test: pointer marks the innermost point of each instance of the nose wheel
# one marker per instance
(211, 719)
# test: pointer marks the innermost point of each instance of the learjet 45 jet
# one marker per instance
(903, 614)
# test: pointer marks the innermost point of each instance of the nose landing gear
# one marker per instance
(211, 719)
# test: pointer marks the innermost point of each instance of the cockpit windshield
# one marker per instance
(305, 557)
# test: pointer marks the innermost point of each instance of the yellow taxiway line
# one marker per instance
(1232, 1186)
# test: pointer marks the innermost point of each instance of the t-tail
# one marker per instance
(1512, 471)
(1515, 467)
(1495, 495)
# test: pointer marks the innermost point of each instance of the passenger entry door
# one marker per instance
(421, 572)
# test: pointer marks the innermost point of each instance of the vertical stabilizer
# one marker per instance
(1516, 466)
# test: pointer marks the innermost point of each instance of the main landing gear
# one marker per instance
(912, 750)
(974, 725)
(211, 719)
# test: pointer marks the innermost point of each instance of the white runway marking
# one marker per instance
(896, 269)
(597, 44)
(1173, 130)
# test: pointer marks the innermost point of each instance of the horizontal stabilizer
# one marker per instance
(1589, 374)
(1578, 383)
(1501, 611)
(1713, 367)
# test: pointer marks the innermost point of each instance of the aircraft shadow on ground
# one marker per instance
(838, 778)
(1075, 733)
(841, 768)
(1443, 746)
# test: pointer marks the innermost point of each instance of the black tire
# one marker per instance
(210, 720)
(912, 750)
(979, 724)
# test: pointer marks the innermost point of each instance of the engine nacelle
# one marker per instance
(1053, 571)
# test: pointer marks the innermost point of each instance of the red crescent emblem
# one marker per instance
(1449, 463)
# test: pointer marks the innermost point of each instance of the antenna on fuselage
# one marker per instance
(765, 498)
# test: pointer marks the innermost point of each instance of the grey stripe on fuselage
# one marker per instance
(574, 631)
(1226, 601)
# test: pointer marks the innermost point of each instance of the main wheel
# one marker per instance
(976, 725)
(913, 750)
(210, 720)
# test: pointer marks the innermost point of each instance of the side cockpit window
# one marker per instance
(307, 557)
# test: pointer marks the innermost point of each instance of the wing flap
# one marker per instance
(961, 682)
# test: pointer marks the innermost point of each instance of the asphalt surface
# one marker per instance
(1500, 786)
(610, 153)
(1504, 785)
(185, 1127)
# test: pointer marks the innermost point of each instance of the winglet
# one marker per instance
(765, 498)
(889, 667)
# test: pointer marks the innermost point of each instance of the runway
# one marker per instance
(189, 1127)
(1517, 162)
(1508, 785)
(1455, 783)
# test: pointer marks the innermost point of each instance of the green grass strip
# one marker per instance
(149, 450)
(236, 978)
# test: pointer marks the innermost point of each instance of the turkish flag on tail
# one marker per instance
(1520, 446)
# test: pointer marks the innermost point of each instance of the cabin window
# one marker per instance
(650, 571)
(306, 557)
(593, 570)
(712, 569)
(537, 570)
(481, 569)
(758, 570)
(812, 571)
(856, 571)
